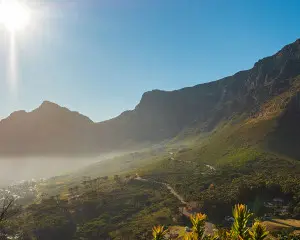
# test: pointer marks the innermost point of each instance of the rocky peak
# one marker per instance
(271, 74)
(49, 109)
(49, 106)
(151, 98)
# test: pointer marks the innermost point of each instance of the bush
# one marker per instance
(239, 229)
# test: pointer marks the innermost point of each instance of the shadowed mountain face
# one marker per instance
(285, 137)
(160, 115)
(49, 129)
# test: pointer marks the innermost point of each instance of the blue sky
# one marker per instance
(99, 56)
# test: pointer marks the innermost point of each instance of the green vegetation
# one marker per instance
(198, 223)
(239, 230)
(244, 170)
(118, 209)
(237, 162)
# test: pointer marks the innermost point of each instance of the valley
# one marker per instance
(199, 149)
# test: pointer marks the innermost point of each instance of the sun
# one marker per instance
(14, 15)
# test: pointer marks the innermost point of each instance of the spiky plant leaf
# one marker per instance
(241, 216)
(159, 232)
(198, 222)
(258, 231)
(189, 236)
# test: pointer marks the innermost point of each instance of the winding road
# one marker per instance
(168, 186)
(208, 226)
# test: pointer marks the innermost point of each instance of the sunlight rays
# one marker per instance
(12, 64)
(14, 17)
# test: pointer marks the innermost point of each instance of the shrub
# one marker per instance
(239, 229)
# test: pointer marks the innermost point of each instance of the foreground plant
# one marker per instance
(188, 236)
(159, 232)
(239, 229)
(258, 231)
(198, 221)
(241, 216)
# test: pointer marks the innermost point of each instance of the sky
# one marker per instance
(99, 56)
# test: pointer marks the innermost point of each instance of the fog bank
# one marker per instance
(17, 169)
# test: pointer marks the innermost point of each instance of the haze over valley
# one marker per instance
(149, 120)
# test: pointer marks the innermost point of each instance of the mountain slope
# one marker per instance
(253, 161)
(160, 115)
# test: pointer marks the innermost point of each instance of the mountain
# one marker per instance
(160, 115)
(49, 129)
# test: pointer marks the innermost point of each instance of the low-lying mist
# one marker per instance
(25, 168)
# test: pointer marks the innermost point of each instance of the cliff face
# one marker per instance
(51, 129)
(161, 114)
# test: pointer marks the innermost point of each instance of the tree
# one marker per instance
(7, 204)
(117, 178)
(8, 209)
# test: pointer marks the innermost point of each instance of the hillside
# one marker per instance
(246, 159)
(232, 141)
(160, 115)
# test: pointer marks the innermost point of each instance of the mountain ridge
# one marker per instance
(159, 115)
